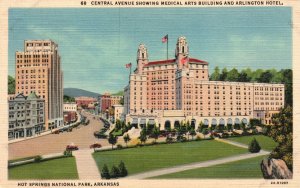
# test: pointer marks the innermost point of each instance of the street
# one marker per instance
(83, 137)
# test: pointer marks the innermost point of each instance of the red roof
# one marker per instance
(169, 61)
(193, 60)
(161, 62)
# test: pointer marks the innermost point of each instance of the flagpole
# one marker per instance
(167, 47)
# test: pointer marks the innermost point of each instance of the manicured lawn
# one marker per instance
(117, 133)
(265, 142)
(166, 155)
(63, 168)
(247, 168)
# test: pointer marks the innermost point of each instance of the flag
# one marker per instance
(184, 60)
(164, 39)
(128, 65)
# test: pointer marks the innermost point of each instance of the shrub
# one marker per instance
(198, 138)
(114, 173)
(225, 135)
(37, 159)
(254, 146)
(68, 153)
(205, 131)
(119, 146)
(104, 172)
(169, 139)
(122, 169)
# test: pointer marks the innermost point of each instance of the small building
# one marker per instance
(26, 116)
(70, 107)
(107, 101)
(118, 112)
(85, 102)
(70, 117)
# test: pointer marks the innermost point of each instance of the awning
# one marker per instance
(134, 121)
(143, 121)
(151, 122)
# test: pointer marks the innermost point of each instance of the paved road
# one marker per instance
(55, 143)
(86, 166)
(180, 168)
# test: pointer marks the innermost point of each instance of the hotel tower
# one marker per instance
(167, 92)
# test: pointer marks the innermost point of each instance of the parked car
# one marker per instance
(72, 147)
(96, 145)
(56, 132)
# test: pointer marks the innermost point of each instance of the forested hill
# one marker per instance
(284, 76)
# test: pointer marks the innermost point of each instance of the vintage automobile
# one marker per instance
(72, 147)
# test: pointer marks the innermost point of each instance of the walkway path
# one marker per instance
(201, 164)
(232, 143)
(195, 165)
(86, 165)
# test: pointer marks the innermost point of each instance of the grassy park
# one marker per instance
(247, 168)
(147, 158)
(63, 168)
(265, 142)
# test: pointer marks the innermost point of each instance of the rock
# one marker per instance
(275, 169)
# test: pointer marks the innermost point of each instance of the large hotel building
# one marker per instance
(38, 69)
(169, 91)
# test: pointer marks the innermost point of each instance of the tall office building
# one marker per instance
(38, 69)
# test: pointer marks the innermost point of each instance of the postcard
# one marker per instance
(149, 93)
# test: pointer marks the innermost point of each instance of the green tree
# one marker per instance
(282, 133)
(122, 169)
(216, 74)
(265, 77)
(126, 139)
(112, 140)
(232, 75)
(169, 139)
(200, 127)
(11, 85)
(155, 133)
(114, 172)
(254, 146)
(223, 75)
(287, 79)
(243, 77)
(143, 136)
(118, 124)
(192, 133)
(68, 98)
(104, 172)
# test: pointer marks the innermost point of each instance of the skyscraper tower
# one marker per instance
(38, 69)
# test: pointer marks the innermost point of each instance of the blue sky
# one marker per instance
(95, 44)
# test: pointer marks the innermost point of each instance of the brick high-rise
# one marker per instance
(167, 92)
(38, 69)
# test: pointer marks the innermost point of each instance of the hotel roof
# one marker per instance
(170, 61)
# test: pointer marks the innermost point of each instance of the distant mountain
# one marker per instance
(74, 92)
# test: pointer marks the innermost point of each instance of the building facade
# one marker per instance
(179, 89)
(26, 116)
(86, 102)
(38, 69)
(70, 107)
(107, 101)
(118, 112)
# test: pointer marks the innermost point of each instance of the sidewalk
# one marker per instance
(86, 165)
